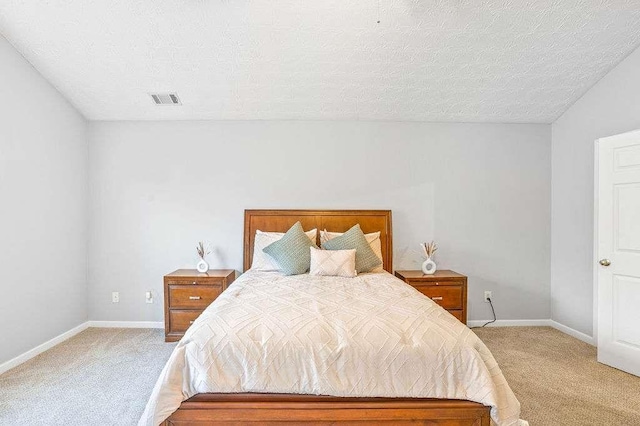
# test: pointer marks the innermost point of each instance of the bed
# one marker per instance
(183, 394)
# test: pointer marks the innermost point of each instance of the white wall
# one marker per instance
(481, 190)
(43, 209)
(612, 106)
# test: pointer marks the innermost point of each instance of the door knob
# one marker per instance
(605, 262)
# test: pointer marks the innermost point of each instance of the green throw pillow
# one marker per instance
(291, 252)
(366, 258)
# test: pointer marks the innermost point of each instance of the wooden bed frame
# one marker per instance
(271, 409)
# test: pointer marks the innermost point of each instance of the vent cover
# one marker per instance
(166, 98)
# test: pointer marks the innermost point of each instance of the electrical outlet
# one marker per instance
(487, 296)
(149, 297)
(115, 297)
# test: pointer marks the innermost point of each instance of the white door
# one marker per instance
(617, 250)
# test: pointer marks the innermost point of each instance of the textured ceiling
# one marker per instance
(437, 60)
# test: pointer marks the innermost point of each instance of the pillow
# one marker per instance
(262, 261)
(291, 252)
(373, 239)
(333, 263)
(366, 259)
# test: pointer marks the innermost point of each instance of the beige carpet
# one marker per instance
(99, 377)
(558, 381)
(104, 376)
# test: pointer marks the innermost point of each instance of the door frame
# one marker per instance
(596, 236)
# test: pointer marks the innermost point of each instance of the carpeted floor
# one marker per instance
(104, 376)
(558, 381)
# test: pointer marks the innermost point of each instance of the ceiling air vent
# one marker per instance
(166, 99)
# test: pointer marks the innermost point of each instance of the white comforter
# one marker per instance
(368, 336)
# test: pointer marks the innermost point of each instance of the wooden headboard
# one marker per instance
(331, 220)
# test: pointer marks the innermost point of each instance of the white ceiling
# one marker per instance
(430, 60)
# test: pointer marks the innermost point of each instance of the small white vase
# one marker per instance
(429, 267)
(202, 266)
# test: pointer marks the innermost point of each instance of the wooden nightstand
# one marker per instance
(187, 293)
(447, 288)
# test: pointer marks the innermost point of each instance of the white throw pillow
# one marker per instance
(373, 239)
(262, 261)
(333, 263)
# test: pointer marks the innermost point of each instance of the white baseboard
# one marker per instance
(41, 348)
(126, 324)
(511, 323)
(536, 323)
(573, 333)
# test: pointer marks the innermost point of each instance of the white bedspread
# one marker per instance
(369, 336)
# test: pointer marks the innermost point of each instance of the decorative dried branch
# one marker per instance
(202, 251)
(429, 248)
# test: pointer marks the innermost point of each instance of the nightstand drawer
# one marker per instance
(447, 288)
(182, 320)
(187, 293)
(192, 296)
(458, 313)
(449, 297)
(201, 280)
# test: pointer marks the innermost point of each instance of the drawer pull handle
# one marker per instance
(194, 283)
(437, 298)
(195, 297)
(190, 322)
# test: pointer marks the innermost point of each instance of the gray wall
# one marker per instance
(43, 213)
(612, 106)
(481, 190)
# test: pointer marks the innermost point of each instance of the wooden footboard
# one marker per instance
(272, 409)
